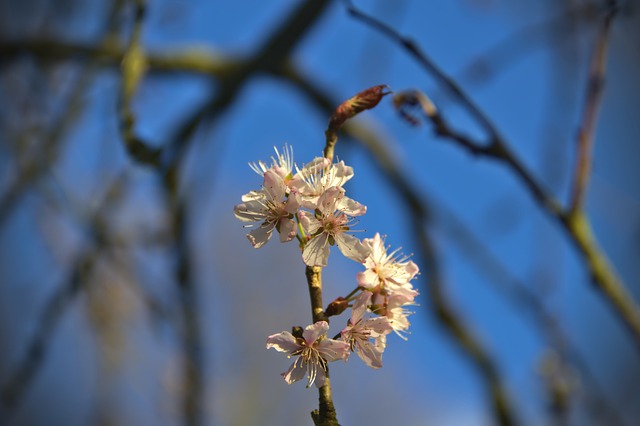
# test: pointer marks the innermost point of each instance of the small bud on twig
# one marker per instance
(364, 100)
(337, 307)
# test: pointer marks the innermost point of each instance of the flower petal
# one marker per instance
(287, 230)
(378, 326)
(283, 342)
(329, 199)
(368, 279)
(309, 223)
(333, 350)
(369, 353)
(274, 185)
(260, 235)
(320, 378)
(351, 247)
(351, 207)
(316, 251)
(296, 371)
(360, 306)
(312, 332)
(251, 210)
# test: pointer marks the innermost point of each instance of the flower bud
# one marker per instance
(364, 100)
(337, 307)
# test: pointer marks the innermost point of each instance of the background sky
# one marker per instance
(112, 352)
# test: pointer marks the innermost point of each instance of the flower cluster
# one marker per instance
(314, 196)
(310, 204)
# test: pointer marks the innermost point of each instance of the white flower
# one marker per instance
(395, 311)
(385, 271)
(313, 351)
(272, 207)
(282, 164)
(315, 178)
(330, 224)
(360, 331)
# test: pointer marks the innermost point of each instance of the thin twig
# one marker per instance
(53, 143)
(12, 392)
(420, 216)
(593, 99)
(576, 225)
(134, 66)
(325, 415)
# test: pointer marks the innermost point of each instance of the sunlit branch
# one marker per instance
(134, 66)
(421, 216)
(576, 224)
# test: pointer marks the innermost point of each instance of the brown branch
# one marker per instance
(325, 415)
(134, 65)
(275, 50)
(367, 99)
(576, 225)
(593, 99)
(420, 215)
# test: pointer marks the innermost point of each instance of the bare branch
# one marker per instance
(590, 114)
(575, 224)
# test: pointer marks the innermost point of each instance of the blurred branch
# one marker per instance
(420, 216)
(575, 224)
(497, 58)
(366, 99)
(41, 161)
(526, 300)
(111, 53)
(326, 414)
(134, 66)
(590, 114)
(12, 392)
(168, 164)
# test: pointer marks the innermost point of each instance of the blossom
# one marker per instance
(394, 309)
(313, 351)
(272, 207)
(282, 164)
(330, 224)
(386, 271)
(315, 178)
(359, 332)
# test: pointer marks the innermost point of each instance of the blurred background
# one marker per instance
(129, 294)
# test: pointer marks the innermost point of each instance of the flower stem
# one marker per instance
(353, 292)
(325, 415)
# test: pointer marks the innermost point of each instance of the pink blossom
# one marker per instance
(385, 271)
(272, 207)
(332, 220)
(315, 178)
(360, 332)
(282, 164)
(394, 309)
(313, 351)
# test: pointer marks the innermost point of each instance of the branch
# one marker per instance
(134, 66)
(12, 392)
(325, 415)
(420, 215)
(593, 99)
(576, 225)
